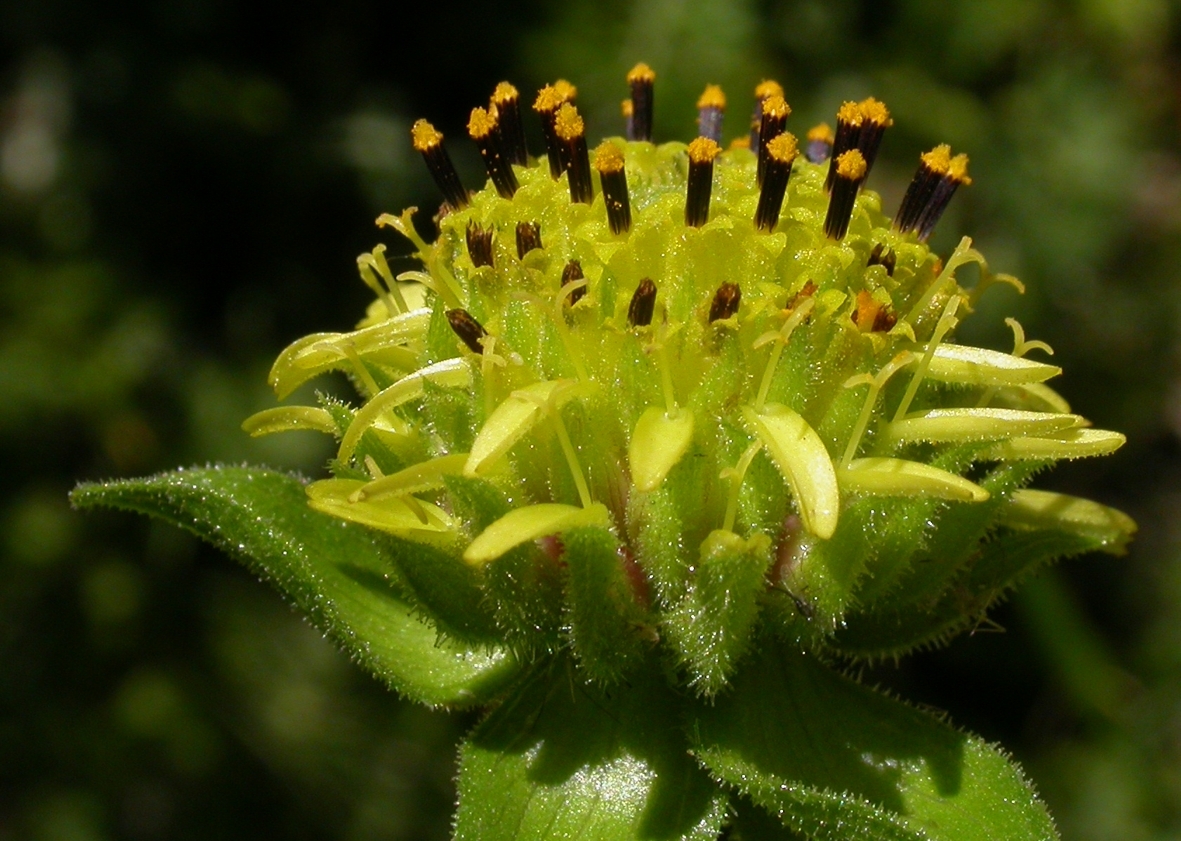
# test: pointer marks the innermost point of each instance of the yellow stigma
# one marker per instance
(482, 123)
(712, 97)
(641, 73)
(608, 158)
(776, 106)
(851, 165)
(875, 111)
(938, 160)
(784, 149)
(568, 124)
(567, 91)
(425, 136)
(850, 114)
(958, 169)
(627, 107)
(768, 87)
(549, 99)
(703, 150)
(821, 132)
(504, 92)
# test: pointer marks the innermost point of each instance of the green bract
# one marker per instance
(651, 475)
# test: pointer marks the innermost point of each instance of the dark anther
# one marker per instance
(725, 302)
(849, 173)
(641, 80)
(933, 166)
(571, 133)
(549, 100)
(775, 114)
(781, 153)
(848, 134)
(483, 129)
(643, 304)
(479, 245)
(710, 108)
(765, 90)
(957, 174)
(429, 142)
(528, 237)
(819, 145)
(467, 328)
(702, 152)
(571, 273)
(872, 316)
(875, 119)
(609, 163)
(507, 102)
(883, 256)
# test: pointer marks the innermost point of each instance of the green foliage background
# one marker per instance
(184, 185)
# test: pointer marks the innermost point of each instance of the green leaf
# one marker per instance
(335, 572)
(563, 759)
(835, 760)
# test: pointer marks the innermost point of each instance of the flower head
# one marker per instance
(664, 395)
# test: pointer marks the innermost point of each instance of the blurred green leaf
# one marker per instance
(836, 760)
(335, 572)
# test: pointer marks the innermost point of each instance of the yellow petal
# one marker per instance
(509, 422)
(803, 460)
(1042, 510)
(426, 476)
(524, 524)
(965, 425)
(899, 477)
(977, 366)
(392, 514)
(320, 352)
(1077, 443)
(450, 373)
(657, 444)
(286, 418)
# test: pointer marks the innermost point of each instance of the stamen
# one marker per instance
(629, 114)
(763, 91)
(479, 245)
(613, 178)
(781, 152)
(643, 304)
(875, 119)
(848, 134)
(571, 133)
(883, 256)
(528, 238)
(470, 331)
(702, 152)
(957, 174)
(711, 106)
(429, 142)
(507, 102)
(774, 118)
(641, 79)
(571, 273)
(850, 172)
(819, 148)
(933, 166)
(549, 100)
(725, 302)
(482, 127)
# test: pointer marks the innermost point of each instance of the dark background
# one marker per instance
(184, 186)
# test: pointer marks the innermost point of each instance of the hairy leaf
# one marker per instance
(335, 572)
(836, 760)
